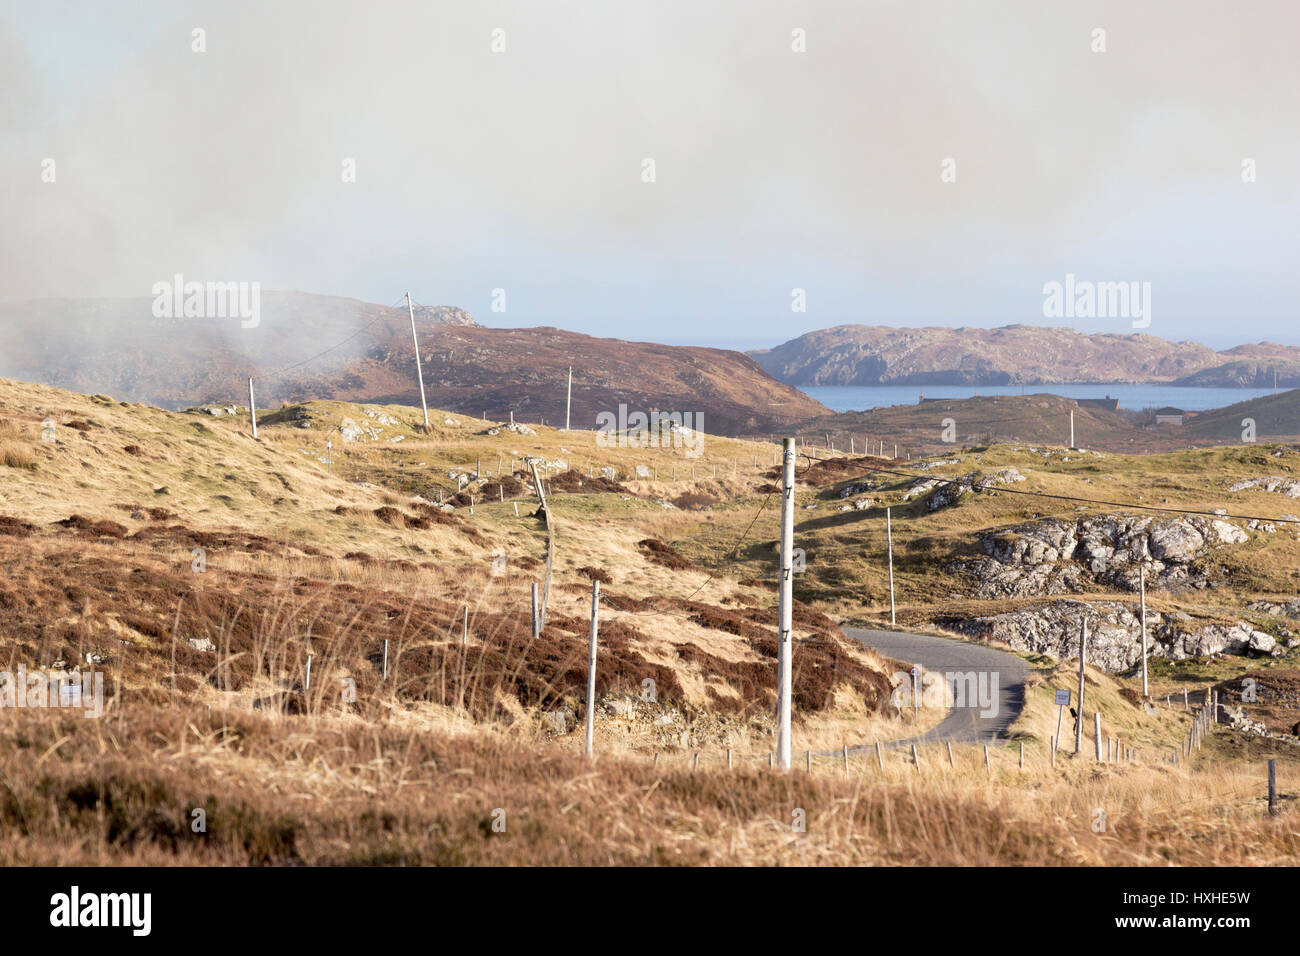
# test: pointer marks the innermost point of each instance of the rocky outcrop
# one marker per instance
(942, 492)
(1114, 633)
(1273, 483)
(1055, 556)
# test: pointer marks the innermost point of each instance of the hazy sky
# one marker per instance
(775, 169)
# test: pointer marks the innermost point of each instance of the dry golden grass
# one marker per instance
(326, 791)
(301, 562)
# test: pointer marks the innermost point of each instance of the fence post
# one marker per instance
(880, 756)
(950, 760)
(1096, 724)
(916, 758)
(846, 760)
(385, 659)
(988, 767)
(591, 667)
(1272, 787)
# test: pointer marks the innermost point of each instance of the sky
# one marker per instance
(776, 168)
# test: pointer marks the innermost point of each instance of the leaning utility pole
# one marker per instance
(568, 404)
(418, 370)
(1142, 587)
(889, 538)
(252, 408)
(1083, 656)
(785, 642)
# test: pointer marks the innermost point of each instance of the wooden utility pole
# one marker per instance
(252, 408)
(785, 644)
(568, 404)
(1142, 589)
(1083, 657)
(591, 668)
(536, 629)
(418, 370)
(889, 537)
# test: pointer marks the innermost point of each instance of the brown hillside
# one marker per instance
(309, 347)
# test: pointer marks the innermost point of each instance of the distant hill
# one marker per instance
(1013, 354)
(321, 347)
(1246, 373)
(1032, 419)
(1275, 417)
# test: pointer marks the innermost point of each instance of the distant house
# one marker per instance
(1108, 404)
(1169, 416)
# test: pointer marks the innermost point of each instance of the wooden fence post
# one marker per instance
(591, 667)
(916, 758)
(880, 756)
(1096, 725)
(1272, 787)
(950, 760)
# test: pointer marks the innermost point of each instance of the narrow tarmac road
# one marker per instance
(995, 676)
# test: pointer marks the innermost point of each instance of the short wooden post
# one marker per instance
(846, 760)
(385, 677)
(728, 758)
(1096, 731)
(1186, 706)
(916, 758)
(950, 760)
(807, 757)
(695, 763)
(1272, 787)
(1022, 755)
(880, 756)
(306, 685)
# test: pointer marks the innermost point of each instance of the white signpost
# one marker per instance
(1062, 702)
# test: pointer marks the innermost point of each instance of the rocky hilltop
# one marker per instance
(1010, 355)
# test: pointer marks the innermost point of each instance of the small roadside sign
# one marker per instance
(1063, 698)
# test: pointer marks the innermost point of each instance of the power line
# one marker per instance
(345, 341)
